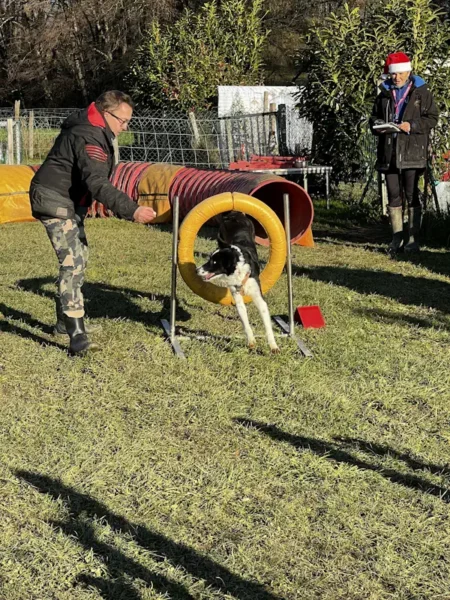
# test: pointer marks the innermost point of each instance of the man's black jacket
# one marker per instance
(77, 170)
(420, 111)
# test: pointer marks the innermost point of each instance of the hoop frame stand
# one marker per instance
(289, 328)
(169, 328)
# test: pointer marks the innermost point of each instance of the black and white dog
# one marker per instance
(236, 266)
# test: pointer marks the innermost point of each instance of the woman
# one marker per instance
(405, 100)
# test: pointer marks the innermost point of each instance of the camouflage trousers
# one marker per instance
(68, 239)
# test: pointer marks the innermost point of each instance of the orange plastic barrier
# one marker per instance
(14, 197)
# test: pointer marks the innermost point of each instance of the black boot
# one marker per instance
(79, 342)
(60, 327)
(414, 222)
(396, 218)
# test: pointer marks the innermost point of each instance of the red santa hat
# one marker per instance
(397, 62)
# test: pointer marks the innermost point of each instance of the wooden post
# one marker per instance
(194, 126)
(116, 150)
(31, 134)
(229, 140)
(18, 142)
(10, 149)
(16, 132)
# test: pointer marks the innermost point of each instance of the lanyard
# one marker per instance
(398, 103)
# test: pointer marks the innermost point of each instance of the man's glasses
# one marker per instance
(123, 122)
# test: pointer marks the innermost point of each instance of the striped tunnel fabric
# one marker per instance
(194, 185)
(126, 177)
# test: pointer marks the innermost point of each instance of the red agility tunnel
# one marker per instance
(126, 177)
(192, 186)
(156, 184)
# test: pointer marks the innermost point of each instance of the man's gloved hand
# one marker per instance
(144, 214)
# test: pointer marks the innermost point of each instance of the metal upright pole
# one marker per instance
(173, 293)
(289, 328)
(169, 328)
(287, 227)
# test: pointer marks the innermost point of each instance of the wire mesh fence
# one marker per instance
(199, 139)
(192, 140)
(195, 139)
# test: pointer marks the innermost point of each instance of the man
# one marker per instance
(405, 100)
(76, 171)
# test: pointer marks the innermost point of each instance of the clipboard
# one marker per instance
(387, 128)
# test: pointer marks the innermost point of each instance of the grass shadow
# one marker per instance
(354, 235)
(339, 453)
(436, 262)
(119, 566)
(379, 450)
(109, 301)
(393, 318)
(405, 289)
(226, 343)
(17, 315)
(372, 246)
(82, 507)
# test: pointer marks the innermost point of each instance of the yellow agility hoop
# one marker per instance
(211, 207)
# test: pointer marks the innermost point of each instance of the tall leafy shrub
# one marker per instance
(344, 62)
(221, 44)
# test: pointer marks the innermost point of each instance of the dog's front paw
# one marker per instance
(274, 349)
(251, 345)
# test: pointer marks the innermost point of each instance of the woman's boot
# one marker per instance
(414, 222)
(396, 218)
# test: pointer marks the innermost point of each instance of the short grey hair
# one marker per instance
(112, 99)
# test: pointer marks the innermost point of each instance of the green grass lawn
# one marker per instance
(133, 475)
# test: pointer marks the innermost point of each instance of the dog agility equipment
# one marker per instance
(14, 198)
(156, 185)
(212, 207)
(309, 316)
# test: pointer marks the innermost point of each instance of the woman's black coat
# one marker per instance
(421, 112)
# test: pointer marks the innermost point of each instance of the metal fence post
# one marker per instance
(273, 137)
(282, 129)
(229, 141)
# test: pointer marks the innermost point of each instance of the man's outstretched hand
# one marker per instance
(144, 214)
